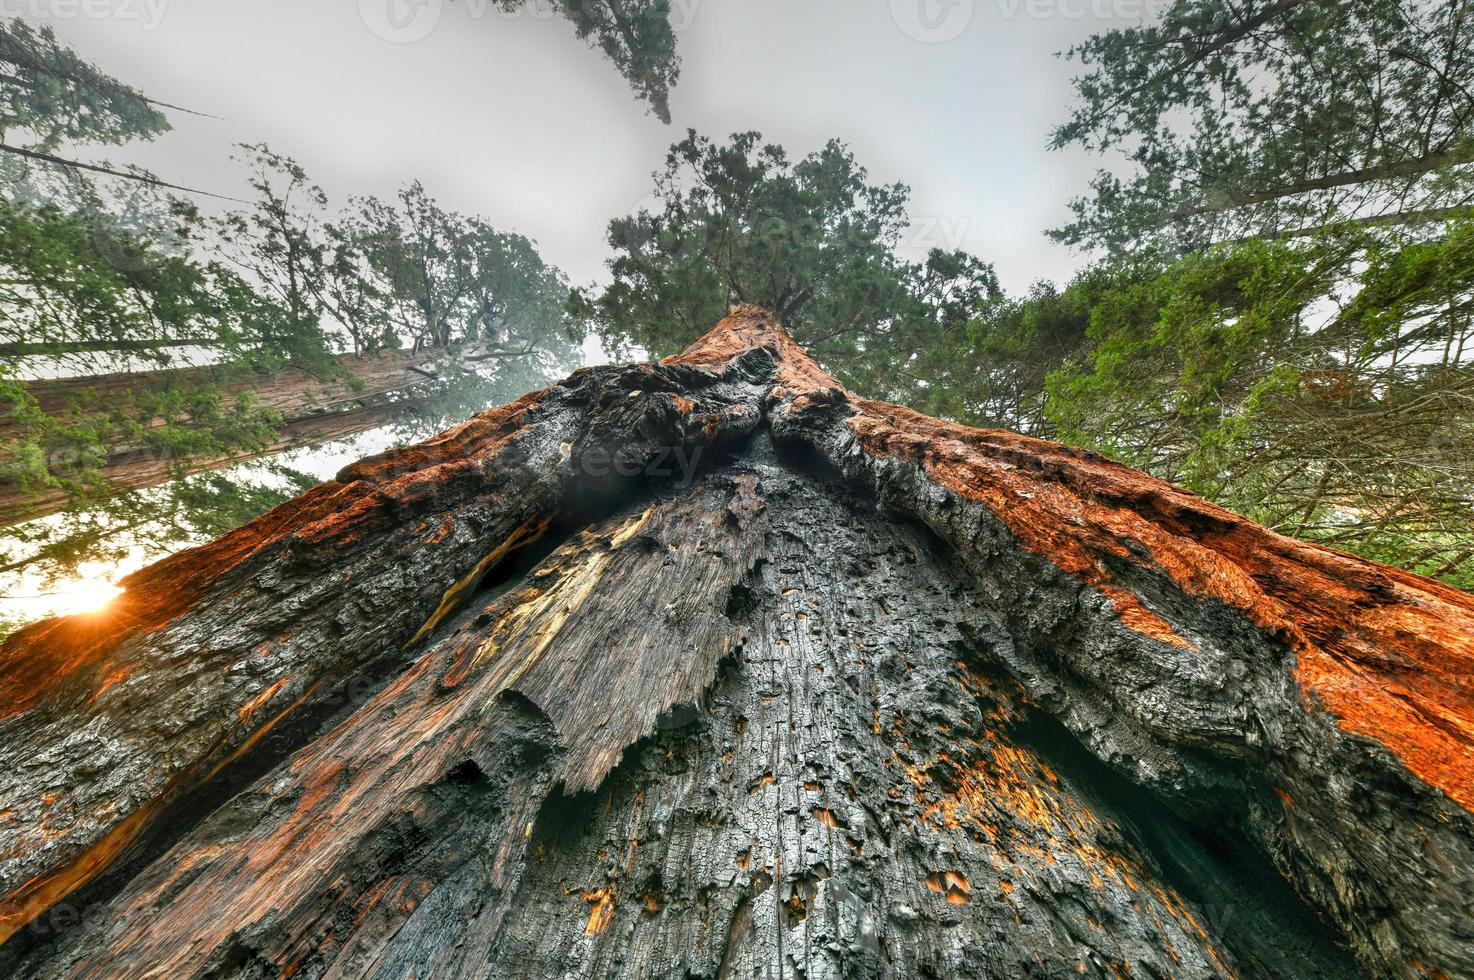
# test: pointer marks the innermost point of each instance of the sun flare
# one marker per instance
(89, 596)
(91, 590)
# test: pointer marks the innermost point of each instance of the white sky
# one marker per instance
(512, 118)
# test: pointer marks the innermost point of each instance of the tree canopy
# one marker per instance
(637, 38)
(1280, 318)
(812, 239)
(405, 274)
(56, 98)
(52, 104)
(1274, 117)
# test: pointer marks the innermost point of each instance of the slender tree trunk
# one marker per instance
(1415, 217)
(860, 694)
(359, 394)
(138, 469)
(1414, 167)
(38, 349)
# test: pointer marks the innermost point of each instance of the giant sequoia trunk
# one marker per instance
(362, 393)
(710, 668)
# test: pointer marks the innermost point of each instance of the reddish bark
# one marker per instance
(1292, 692)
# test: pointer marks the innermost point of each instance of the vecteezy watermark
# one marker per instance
(401, 21)
(1133, 10)
(149, 14)
(945, 232)
(933, 21)
(408, 21)
(665, 463)
(936, 21)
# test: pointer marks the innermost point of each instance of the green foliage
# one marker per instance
(56, 98)
(1323, 388)
(992, 372)
(407, 274)
(636, 37)
(78, 288)
(148, 524)
(812, 240)
(23, 460)
(78, 295)
(208, 506)
(1271, 117)
(441, 278)
(1319, 381)
(51, 99)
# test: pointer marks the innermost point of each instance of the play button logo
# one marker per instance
(932, 21)
(401, 21)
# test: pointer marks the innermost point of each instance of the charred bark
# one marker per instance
(711, 669)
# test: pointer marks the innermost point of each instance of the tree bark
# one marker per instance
(361, 393)
(710, 668)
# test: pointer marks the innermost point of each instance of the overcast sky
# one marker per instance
(511, 117)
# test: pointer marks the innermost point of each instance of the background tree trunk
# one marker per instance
(359, 394)
(861, 694)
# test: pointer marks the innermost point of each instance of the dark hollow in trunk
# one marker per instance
(712, 669)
